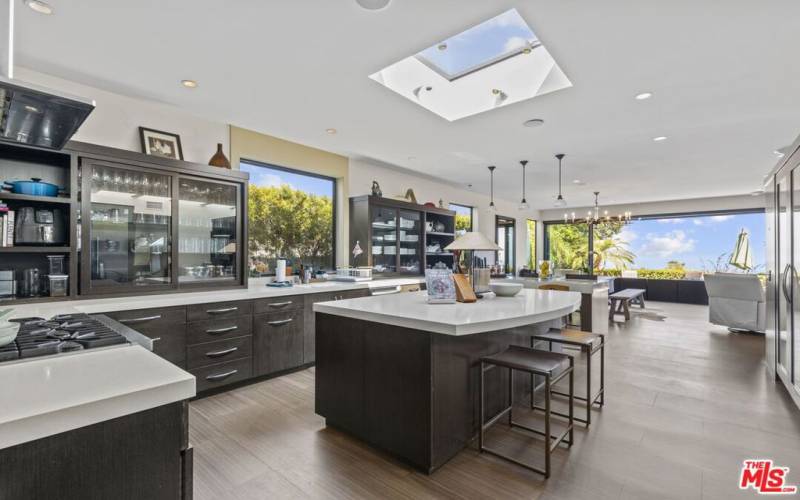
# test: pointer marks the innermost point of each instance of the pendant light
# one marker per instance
(560, 201)
(523, 205)
(491, 209)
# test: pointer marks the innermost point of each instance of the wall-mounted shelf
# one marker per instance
(6, 196)
(33, 249)
(434, 233)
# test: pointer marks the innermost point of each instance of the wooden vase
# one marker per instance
(219, 159)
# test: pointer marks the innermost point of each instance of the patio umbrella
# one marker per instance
(741, 257)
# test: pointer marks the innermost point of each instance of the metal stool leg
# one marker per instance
(510, 394)
(589, 395)
(602, 372)
(482, 409)
(571, 400)
(547, 426)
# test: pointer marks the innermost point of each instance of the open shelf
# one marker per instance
(34, 249)
(434, 233)
(440, 254)
(6, 196)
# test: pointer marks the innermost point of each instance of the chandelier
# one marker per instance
(593, 216)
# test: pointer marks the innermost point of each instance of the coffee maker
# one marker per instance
(38, 226)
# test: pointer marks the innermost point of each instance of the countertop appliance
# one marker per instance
(39, 117)
(67, 333)
(37, 226)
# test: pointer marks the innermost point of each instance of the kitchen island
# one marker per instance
(402, 374)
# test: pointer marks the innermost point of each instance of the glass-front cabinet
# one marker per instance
(410, 238)
(207, 231)
(148, 229)
(384, 240)
(130, 227)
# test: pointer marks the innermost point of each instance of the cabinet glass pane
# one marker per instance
(207, 246)
(384, 240)
(410, 236)
(130, 229)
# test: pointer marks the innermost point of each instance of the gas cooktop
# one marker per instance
(60, 334)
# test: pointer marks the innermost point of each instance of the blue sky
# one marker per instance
(695, 241)
(265, 176)
(470, 48)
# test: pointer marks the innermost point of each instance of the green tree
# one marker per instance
(612, 253)
(569, 245)
(286, 222)
(531, 244)
(463, 223)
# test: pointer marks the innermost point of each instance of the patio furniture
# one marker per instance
(737, 301)
(619, 302)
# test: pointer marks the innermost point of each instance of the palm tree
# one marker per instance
(613, 251)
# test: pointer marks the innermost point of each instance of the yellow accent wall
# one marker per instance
(250, 145)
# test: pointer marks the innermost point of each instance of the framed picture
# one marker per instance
(163, 144)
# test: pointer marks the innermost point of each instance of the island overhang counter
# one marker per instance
(402, 374)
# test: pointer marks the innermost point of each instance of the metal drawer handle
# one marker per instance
(280, 322)
(222, 330)
(221, 376)
(139, 320)
(280, 304)
(218, 354)
(222, 311)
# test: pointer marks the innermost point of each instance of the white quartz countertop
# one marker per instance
(411, 310)
(257, 289)
(54, 394)
(582, 286)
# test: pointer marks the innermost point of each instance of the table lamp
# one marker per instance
(473, 241)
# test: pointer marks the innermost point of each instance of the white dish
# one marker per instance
(505, 289)
(8, 332)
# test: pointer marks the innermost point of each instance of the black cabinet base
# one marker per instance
(132, 457)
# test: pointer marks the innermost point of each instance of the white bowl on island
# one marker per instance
(505, 289)
(8, 332)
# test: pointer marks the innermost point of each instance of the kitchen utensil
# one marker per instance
(30, 283)
(429, 226)
(35, 187)
(505, 289)
(58, 285)
(38, 226)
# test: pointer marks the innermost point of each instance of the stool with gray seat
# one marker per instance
(588, 343)
(553, 367)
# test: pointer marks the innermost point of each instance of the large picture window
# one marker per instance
(669, 247)
(463, 217)
(291, 215)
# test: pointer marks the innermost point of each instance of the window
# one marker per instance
(506, 240)
(463, 217)
(670, 246)
(531, 244)
(493, 64)
(291, 215)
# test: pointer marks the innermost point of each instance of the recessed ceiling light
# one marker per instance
(536, 122)
(660, 138)
(39, 6)
(373, 4)
(578, 182)
(442, 46)
(189, 84)
(330, 131)
(643, 96)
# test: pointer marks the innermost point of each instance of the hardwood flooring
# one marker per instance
(686, 403)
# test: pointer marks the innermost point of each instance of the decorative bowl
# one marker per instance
(8, 332)
(505, 289)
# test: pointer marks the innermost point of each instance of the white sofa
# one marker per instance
(737, 301)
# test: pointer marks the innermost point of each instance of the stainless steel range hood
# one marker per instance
(39, 117)
(30, 114)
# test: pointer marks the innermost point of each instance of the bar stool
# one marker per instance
(561, 288)
(588, 343)
(553, 366)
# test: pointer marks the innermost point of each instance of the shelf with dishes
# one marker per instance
(8, 196)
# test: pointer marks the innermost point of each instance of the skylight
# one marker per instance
(496, 63)
(497, 39)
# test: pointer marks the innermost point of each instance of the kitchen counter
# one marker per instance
(411, 310)
(54, 394)
(257, 289)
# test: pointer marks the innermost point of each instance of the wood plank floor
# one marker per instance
(686, 403)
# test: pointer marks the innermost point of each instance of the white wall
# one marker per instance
(394, 181)
(116, 119)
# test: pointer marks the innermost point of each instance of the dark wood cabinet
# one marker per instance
(309, 322)
(166, 327)
(398, 237)
(277, 341)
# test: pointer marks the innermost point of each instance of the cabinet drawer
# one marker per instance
(218, 329)
(277, 342)
(142, 319)
(169, 342)
(217, 352)
(219, 310)
(222, 374)
(275, 304)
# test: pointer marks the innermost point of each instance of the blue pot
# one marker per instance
(33, 187)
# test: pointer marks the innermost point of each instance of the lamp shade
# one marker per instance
(472, 241)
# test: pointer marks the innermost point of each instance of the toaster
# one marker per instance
(39, 226)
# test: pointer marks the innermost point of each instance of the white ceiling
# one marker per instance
(724, 77)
